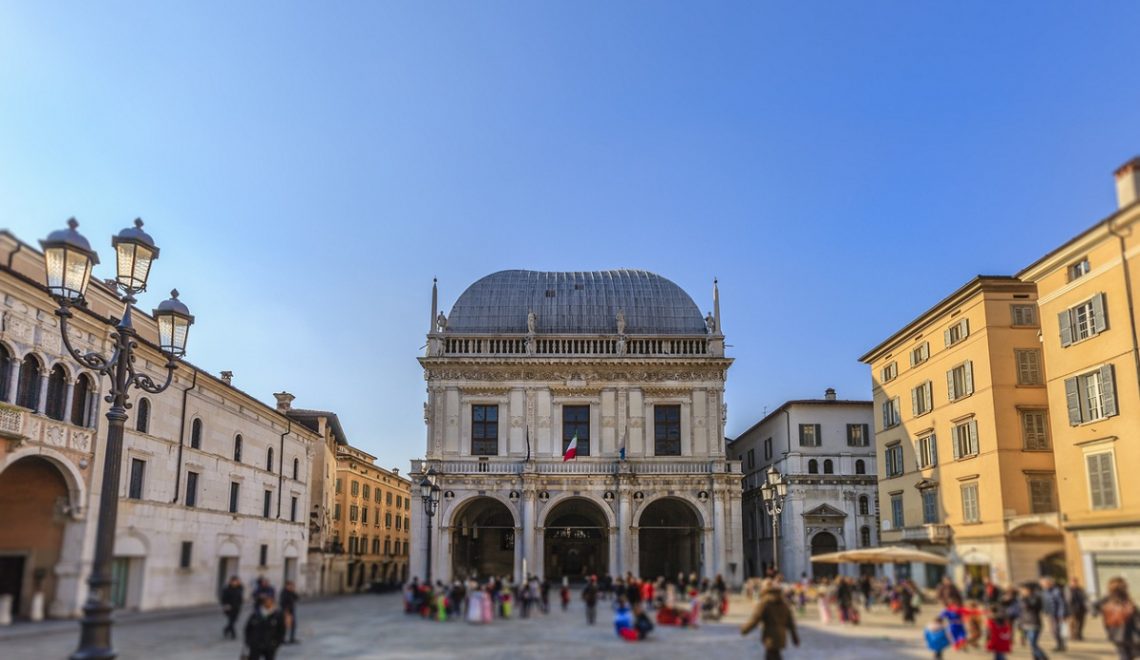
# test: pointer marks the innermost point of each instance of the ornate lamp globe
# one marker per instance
(425, 488)
(68, 259)
(134, 252)
(174, 321)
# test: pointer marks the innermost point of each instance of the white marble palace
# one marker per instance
(624, 362)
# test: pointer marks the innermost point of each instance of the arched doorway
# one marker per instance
(669, 539)
(576, 541)
(822, 543)
(482, 540)
(33, 495)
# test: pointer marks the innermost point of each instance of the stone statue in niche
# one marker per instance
(531, 322)
(441, 322)
(621, 322)
(710, 323)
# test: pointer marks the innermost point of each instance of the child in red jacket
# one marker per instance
(999, 637)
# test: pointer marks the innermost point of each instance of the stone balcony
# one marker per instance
(475, 345)
(21, 427)
(595, 466)
(939, 534)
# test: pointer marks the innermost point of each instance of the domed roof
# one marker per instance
(576, 303)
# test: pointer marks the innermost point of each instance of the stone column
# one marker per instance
(614, 545)
(13, 379)
(441, 568)
(41, 407)
(68, 395)
(529, 527)
(717, 562)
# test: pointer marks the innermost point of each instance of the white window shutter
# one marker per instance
(950, 394)
(973, 437)
(1096, 488)
(929, 395)
(946, 336)
(1065, 323)
(1100, 316)
(914, 401)
(965, 328)
(969, 377)
(956, 443)
(1108, 390)
(1073, 400)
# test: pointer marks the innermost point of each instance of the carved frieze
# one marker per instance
(560, 373)
(667, 392)
(485, 390)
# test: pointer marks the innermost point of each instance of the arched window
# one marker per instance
(237, 448)
(813, 466)
(865, 537)
(860, 467)
(28, 385)
(142, 416)
(296, 468)
(196, 434)
(828, 467)
(57, 393)
(864, 506)
(5, 372)
(81, 401)
(269, 459)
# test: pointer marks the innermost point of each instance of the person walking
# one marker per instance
(1056, 608)
(1030, 618)
(232, 597)
(1121, 619)
(1078, 610)
(264, 630)
(590, 598)
(564, 593)
(776, 620)
(948, 591)
(999, 636)
(262, 588)
(289, 598)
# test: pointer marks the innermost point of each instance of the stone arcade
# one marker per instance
(622, 360)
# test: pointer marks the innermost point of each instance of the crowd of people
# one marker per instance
(271, 623)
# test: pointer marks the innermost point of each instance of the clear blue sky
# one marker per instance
(307, 168)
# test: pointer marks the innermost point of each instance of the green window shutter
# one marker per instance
(1065, 323)
(1108, 390)
(801, 435)
(1073, 400)
(950, 393)
(818, 435)
(973, 437)
(970, 377)
(1100, 317)
(867, 434)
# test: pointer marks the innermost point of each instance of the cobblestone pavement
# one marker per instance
(370, 626)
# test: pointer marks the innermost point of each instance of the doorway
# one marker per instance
(823, 543)
(575, 541)
(669, 538)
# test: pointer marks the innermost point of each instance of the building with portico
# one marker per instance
(624, 363)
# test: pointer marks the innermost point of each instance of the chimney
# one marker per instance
(1128, 183)
(228, 377)
(284, 401)
(829, 394)
(396, 471)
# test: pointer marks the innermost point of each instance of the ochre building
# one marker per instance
(371, 517)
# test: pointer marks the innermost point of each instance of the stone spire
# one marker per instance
(434, 304)
(716, 307)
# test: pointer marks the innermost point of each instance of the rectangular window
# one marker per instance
(338, 485)
(1041, 494)
(356, 489)
(1091, 396)
(891, 413)
(666, 430)
(809, 435)
(138, 471)
(1102, 480)
(930, 506)
(1023, 315)
(857, 435)
(890, 372)
(1028, 366)
(922, 398)
(960, 381)
(266, 503)
(1083, 321)
(957, 332)
(1035, 430)
(388, 546)
(398, 527)
(353, 513)
(185, 555)
(576, 424)
(263, 556)
(336, 511)
(484, 430)
(399, 502)
(965, 439)
(751, 459)
(388, 520)
(897, 519)
(920, 354)
(363, 515)
(407, 523)
(893, 459)
(388, 497)
(191, 489)
(235, 489)
(767, 448)
(293, 509)
(1078, 269)
(971, 513)
(366, 491)
(927, 451)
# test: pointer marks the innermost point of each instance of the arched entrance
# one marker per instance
(669, 539)
(576, 541)
(822, 543)
(33, 497)
(482, 540)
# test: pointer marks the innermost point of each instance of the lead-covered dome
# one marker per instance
(576, 303)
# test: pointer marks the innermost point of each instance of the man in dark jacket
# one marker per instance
(289, 598)
(1057, 609)
(265, 630)
(774, 615)
(590, 597)
(232, 596)
(1029, 619)
(1078, 608)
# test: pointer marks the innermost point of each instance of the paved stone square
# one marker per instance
(370, 626)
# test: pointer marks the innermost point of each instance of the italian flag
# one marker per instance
(571, 449)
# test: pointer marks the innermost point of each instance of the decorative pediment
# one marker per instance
(825, 511)
(926, 484)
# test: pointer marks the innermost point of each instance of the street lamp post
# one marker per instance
(774, 490)
(68, 261)
(429, 494)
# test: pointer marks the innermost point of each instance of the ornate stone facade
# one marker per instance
(622, 360)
